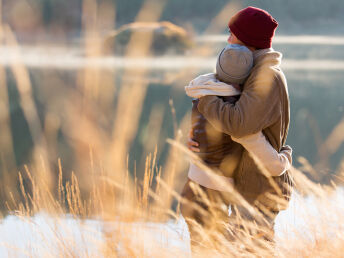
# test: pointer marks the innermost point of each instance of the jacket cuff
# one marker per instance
(204, 101)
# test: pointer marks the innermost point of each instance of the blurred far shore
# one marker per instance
(64, 21)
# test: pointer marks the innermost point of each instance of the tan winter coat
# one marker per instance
(263, 106)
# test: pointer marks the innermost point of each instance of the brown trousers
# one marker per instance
(206, 214)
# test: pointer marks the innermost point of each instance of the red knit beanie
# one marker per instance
(254, 27)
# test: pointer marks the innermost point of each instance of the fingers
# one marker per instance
(193, 146)
(194, 149)
(192, 143)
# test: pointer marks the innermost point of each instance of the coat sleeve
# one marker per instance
(258, 107)
(276, 163)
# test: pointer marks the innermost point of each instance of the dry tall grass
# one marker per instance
(101, 185)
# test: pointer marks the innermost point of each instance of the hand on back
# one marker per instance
(192, 145)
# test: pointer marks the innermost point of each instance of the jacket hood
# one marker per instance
(268, 56)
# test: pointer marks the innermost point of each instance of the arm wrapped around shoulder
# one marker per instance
(259, 107)
(276, 163)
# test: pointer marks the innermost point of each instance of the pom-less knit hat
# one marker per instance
(254, 27)
(234, 64)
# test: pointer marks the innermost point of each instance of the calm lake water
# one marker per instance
(313, 66)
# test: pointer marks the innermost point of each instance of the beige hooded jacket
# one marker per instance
(263, 106)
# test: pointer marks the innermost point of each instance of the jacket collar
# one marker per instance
(267, 55)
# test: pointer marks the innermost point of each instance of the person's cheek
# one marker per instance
(229, 40)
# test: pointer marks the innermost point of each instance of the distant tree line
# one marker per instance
(294, 15)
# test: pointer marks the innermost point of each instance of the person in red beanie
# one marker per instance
(254, 27)
(262, 106)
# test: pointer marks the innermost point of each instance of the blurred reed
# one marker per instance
(100, 184)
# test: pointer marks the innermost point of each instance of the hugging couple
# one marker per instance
(240, 121)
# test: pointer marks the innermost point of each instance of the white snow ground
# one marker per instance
(43, 235)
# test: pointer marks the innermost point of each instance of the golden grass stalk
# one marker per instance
(102, 187)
